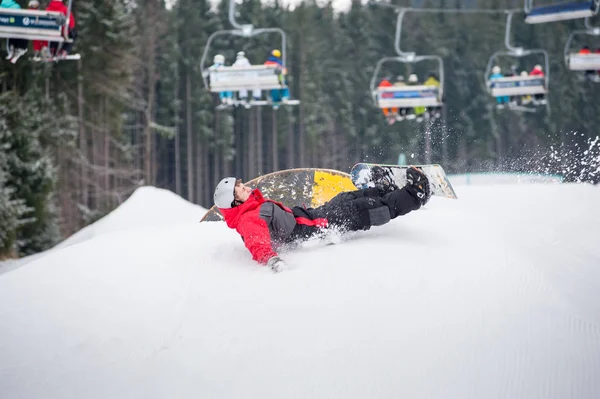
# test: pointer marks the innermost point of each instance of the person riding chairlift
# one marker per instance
(538, 98)
(432, 80)
(400, 112)
(388, 112)
(38, 45)
(70, 33)
(415, 112)
(597, 76)
(496, 74)
(240, 62)
(16, 47)
(525, 100)
(282, 94)
(585, 50)
(226, 97)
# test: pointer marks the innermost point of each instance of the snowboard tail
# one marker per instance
(438, 181)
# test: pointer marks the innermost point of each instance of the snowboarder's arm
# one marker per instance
(257, 239)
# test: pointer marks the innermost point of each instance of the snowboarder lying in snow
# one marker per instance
(264, 224)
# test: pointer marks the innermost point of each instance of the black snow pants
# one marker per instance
(356, 210)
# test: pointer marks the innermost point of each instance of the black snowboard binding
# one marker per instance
(418, 185)
(383, 180)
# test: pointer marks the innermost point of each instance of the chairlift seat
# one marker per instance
(31, 24)
(70, 57)
(562, 12)
(517, 86)
(584, 62)
(408, 96)
(256, 103)
(253, 77)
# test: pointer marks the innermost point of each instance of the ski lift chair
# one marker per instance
(583, 62)
(560, 11)
(33, 25)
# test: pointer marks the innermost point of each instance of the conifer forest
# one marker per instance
(78, 137)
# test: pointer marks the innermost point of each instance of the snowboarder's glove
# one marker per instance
(276, 264)
(418, 185)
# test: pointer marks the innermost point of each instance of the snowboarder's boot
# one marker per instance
(418, 185)
(383, 180)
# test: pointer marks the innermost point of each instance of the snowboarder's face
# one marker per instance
(241, 192)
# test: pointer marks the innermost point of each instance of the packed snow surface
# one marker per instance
(493, 295)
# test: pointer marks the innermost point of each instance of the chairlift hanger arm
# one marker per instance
(588, 25)
(507, 35)
(232, 15)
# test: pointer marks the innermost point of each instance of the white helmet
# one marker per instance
(240, 54)
(496, 69)
(538, 66)
(413, 78)
(524, 73)
(224, 193)
(219, 59)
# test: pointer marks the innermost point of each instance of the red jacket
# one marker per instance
(59, 6)
(246, 220)
(536, 72)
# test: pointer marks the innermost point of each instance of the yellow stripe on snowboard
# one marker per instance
(327, 185)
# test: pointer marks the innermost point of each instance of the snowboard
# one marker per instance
(439, 183)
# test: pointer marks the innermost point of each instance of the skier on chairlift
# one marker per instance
(226, 97)
(58, 6)
(240, 62)
(415, 112)
(281, 94)
(265, 224)
(387, 112)
(596, 78)
(432, 80)
(16, 47)
(496, 74)
(526, 99)
(38, 45)
(538, 98)
(400, 112)
(585, 50)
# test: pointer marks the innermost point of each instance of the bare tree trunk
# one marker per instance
(217, 150)
(334, 149)
(83, 147)
(203, 194)
(177, 140)
(290, 143)
(200, 169)
(260, 162)
(107, 188)
(239, 144)
(250, 148)
(190, 142)
(444, 137)
(151, 33)
(274, 146)
(301, 131)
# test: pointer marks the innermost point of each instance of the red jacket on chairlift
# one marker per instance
(57, 5)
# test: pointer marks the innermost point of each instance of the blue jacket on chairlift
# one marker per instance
(9, 4)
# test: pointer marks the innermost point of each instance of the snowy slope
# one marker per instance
(494, 295)
(146, 207)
